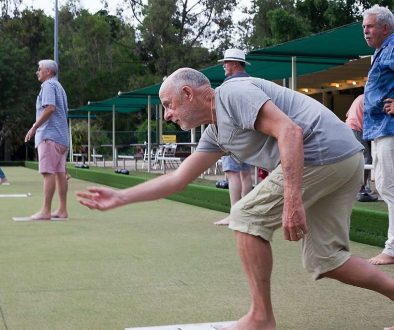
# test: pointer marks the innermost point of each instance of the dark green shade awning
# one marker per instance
(315, 53)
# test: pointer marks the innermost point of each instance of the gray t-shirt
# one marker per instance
(326, 138)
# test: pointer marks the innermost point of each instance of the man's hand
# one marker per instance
(100, 198)
(294, 220)
(30, 133)
(389, 106)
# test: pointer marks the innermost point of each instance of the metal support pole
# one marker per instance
(114, 156)
(89, 138)
(294, 73)
(149, 134)
(71, 156)
(161, 122)
(55, 36)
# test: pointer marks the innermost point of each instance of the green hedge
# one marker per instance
(194, 194)
(367, 226)
(12, 163)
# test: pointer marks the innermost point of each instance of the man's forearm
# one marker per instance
(292, 161)
(45, 114)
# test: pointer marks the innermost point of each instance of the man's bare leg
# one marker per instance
(246, 182)
(235, 189)
(49, 187)
(384, 258)
(361, 273)
(256, 257)
(62, 189)
(234, 186)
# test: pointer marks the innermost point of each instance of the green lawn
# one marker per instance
(375, 206)
(153, 263)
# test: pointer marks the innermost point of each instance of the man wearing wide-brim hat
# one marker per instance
(238, 174)
(234, 55)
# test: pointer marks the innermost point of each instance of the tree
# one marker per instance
(22, 42)
(97, 54)
(172, 33)
(9, 7)
(273, 21)
(97, 58)
(327, 14)
(14, 110)
(280, 20)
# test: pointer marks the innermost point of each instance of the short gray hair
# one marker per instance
(50, 65)
(185, 76)
(383, 16)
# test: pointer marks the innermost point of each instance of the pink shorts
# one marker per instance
(52, 157)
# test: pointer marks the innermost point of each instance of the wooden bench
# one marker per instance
(130, 157)
(77, 156)
(97, 156)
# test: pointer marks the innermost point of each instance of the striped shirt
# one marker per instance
(56, 127)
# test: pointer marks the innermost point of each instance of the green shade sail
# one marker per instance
(314, 53)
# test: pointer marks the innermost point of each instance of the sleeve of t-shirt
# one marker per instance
(207, 142)
(242, 101)
(48, 96)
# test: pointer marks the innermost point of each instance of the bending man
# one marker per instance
(316, 169)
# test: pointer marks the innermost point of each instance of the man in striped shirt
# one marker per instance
(51, 140)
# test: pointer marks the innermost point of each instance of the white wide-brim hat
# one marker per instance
(234, 54)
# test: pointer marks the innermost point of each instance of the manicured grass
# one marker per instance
(367, 225)
(153, 263)
(379, 206)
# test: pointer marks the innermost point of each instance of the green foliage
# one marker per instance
(99, 48)
(101, 54)
(21, 40)
(14, 113)
(8, 7)
(142, 130)
(263, 28)
(172, 32)
(280, 20)
(79, 131)
(277, 21)
(97, 59)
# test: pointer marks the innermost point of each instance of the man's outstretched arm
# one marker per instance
(102, 198)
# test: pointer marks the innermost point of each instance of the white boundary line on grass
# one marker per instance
(196, 326)
(30, 219)
(14, 195)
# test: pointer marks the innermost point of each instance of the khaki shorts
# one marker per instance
(52, 157)
(328, 193)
